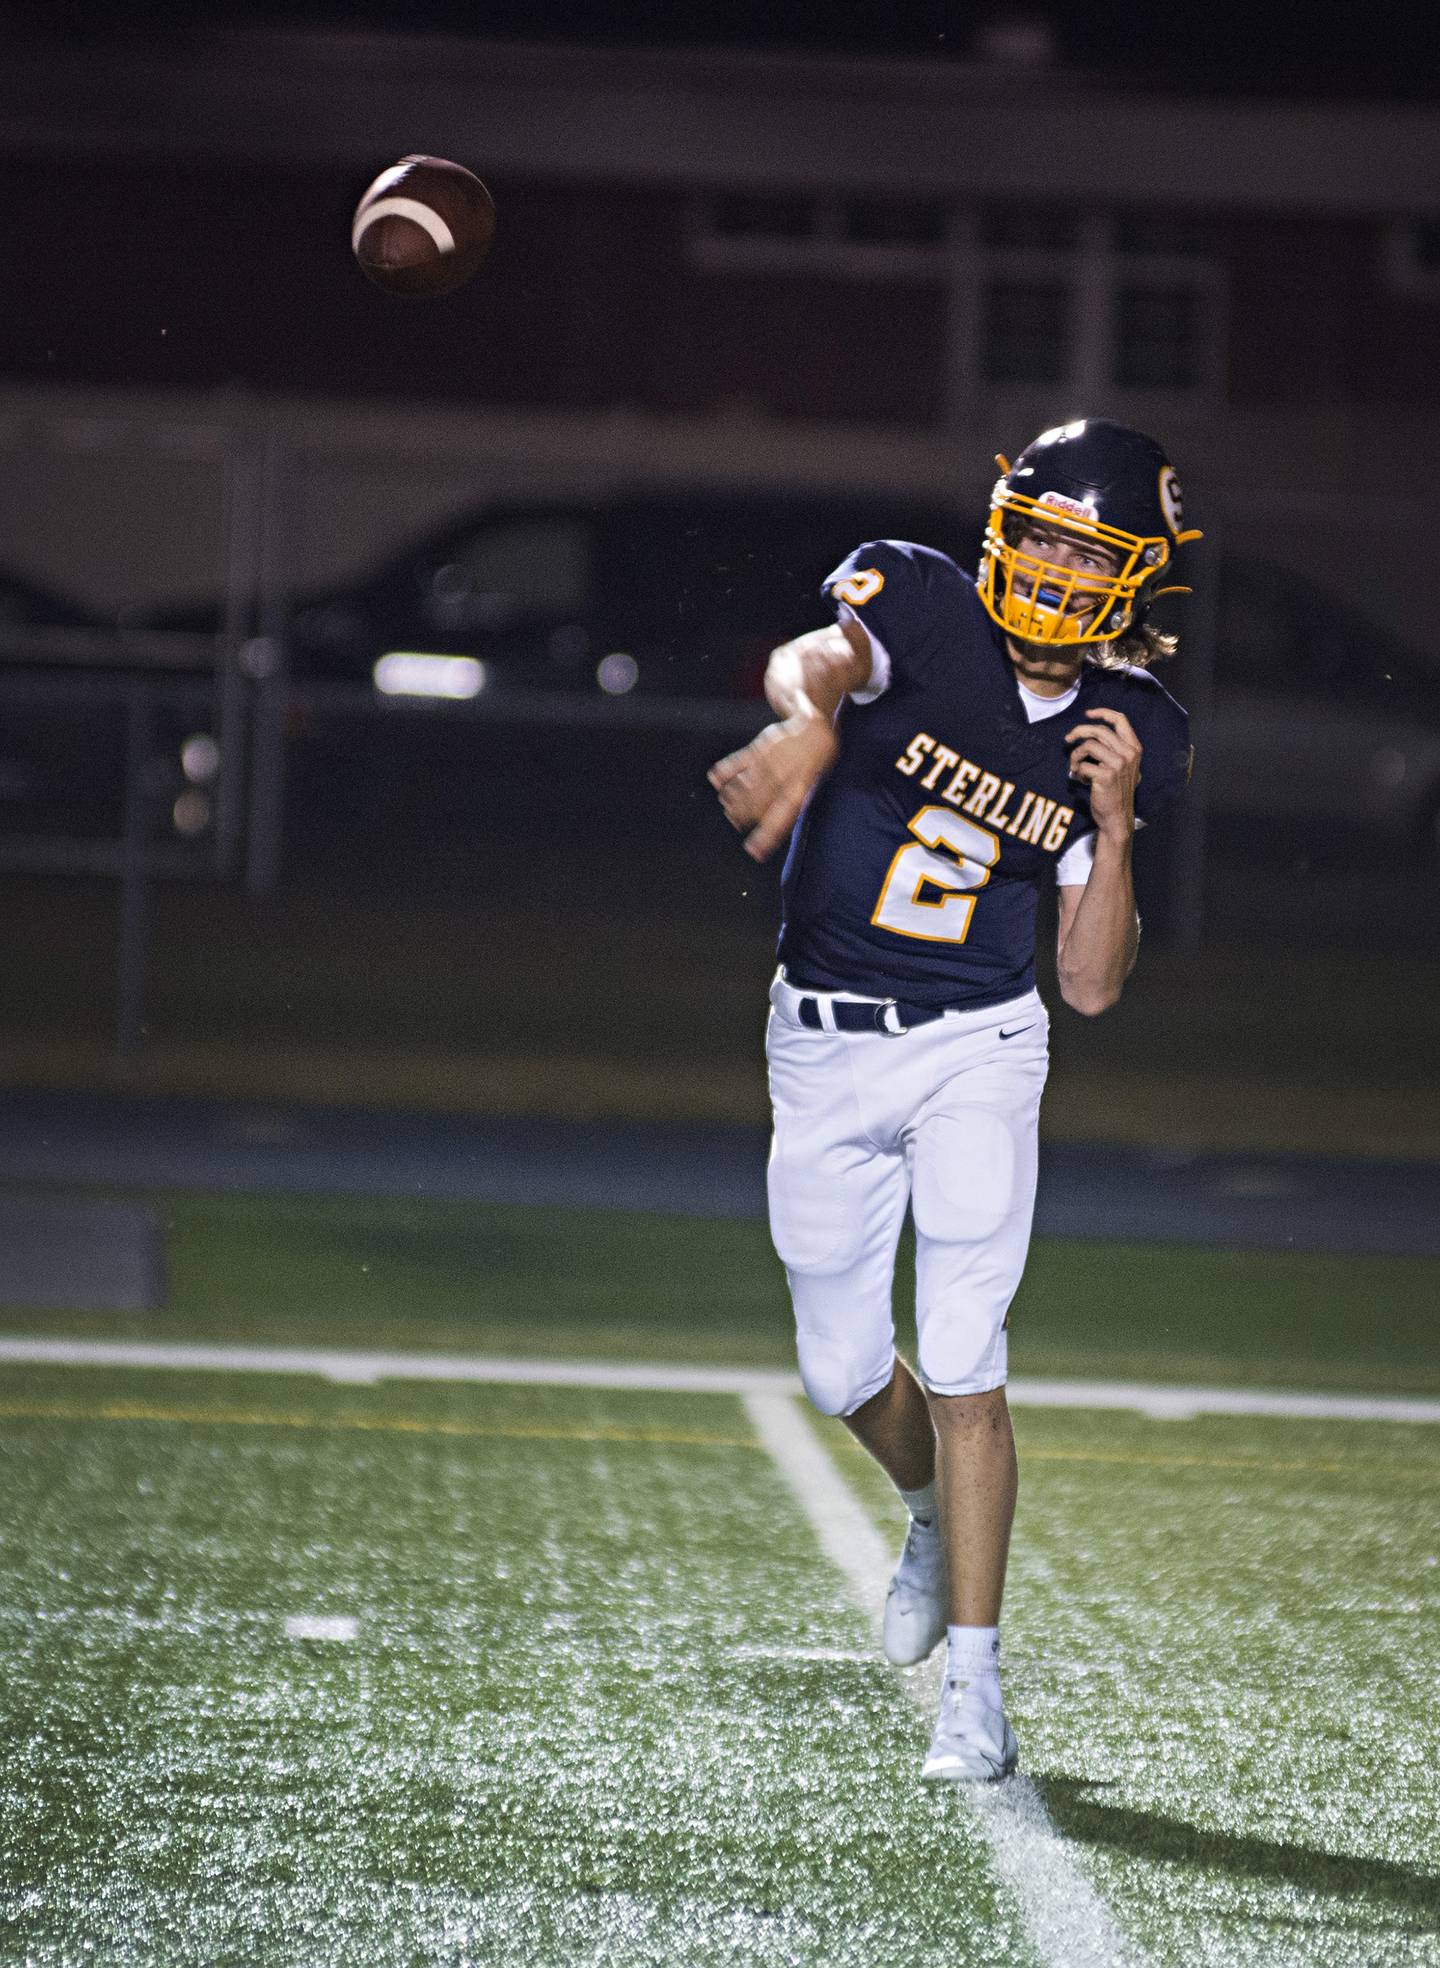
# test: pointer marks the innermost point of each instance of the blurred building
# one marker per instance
(720, 266)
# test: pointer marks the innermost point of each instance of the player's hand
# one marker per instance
(763, 786)
(1106, 758)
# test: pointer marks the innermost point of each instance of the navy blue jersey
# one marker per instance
(915, 868)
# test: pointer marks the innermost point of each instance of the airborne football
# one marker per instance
(423, 227)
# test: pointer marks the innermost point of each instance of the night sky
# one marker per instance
(1378, 51)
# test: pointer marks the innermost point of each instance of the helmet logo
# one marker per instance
(1171, 503)
(1073, 508)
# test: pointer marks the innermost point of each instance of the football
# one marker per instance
(423, 227)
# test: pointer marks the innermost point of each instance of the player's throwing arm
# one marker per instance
(763, 786)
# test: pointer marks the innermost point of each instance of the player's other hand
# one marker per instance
(763, 786)
(1106, 758)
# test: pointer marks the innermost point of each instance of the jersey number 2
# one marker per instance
(861, 586)
(946, 918)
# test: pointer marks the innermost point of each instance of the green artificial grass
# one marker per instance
(567, 1728)
(1220, 1656)
(299, 1270)
(604, 1699)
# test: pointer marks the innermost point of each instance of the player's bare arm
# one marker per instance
(1099, 935)
(763, 786)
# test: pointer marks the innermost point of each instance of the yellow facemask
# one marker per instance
(1041, 600)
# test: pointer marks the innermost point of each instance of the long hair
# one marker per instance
(1137, 649)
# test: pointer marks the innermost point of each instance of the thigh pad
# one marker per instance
(817, 1213)
(965, 1175)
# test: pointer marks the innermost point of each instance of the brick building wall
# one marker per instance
(193, 275)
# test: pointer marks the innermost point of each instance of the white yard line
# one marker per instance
(321, 1626)
(851, 1655)
(1161, 1403)
(1067, 1921)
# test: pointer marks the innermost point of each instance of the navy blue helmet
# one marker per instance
(1107, 495)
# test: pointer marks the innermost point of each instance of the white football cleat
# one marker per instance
(915, 1604)
(973, 1742)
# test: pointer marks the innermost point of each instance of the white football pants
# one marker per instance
(944, 1116)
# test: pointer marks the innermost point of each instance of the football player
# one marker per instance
(945, 747)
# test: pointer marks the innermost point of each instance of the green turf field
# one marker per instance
(596, 1694)
(567, 1728)
(1224, 1652)
(291, 1270)
(603, 1699)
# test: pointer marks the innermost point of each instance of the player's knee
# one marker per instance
(981, 1410)
(966, 1177)
(966, 1352)
(838, 1380)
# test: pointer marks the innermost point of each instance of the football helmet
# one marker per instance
(1105, 499)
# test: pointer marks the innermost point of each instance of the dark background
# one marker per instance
(220, 440)
(1282, 51)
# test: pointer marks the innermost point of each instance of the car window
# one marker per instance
(1352, 659)
(682, 572)
(752, 568)
(1277, 631)
(516, 570)
(1257, 632)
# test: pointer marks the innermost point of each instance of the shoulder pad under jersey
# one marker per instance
(1163, 728)
(905, 593)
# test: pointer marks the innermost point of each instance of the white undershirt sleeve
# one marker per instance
(879, 661)
(1073, 868)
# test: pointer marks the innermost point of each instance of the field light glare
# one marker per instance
(200, 759)
(191, 812)
(617, 673)
(409, 673)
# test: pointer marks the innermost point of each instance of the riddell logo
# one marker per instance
(1076, 508)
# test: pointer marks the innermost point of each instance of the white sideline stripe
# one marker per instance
(1180, 1403)
(1068, 1923)
(321, 1626)
(1159, 1402)
(364, 1369)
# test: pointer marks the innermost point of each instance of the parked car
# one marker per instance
(1320, 719)
(671, 597)
(682, 593)
(26, 603)
(691, 586)
(39, 740)
(549, 613)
